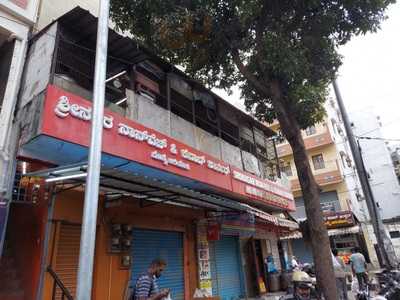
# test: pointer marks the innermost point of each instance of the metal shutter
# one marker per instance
(225, 268)
(150, 244)
(67, 258)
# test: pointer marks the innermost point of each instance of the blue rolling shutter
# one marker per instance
(150, 244)
(225, 268)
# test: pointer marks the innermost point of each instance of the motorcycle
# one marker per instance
(389, 284)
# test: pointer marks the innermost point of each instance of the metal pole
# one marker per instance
(43, 264)
(88, 236)
(382, 239)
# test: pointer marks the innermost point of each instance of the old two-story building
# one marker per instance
(185, 176)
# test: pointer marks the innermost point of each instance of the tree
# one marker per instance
(283, 55)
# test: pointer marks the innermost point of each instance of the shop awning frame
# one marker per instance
(116, 184)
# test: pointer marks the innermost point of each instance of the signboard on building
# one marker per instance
(339, 219)
(67, 117)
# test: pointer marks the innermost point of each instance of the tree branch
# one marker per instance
(259, 86)
(260, 27)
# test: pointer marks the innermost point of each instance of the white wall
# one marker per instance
(50, 10)
(378, 163)
(25, 14)
(14, 27)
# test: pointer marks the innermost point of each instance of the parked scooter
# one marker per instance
(388, 287)
(389, 282)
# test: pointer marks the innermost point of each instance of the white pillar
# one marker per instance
(7, 111)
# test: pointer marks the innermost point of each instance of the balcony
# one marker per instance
(311, 142)
(331, 174)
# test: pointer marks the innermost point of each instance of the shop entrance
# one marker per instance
(66, 256)
(151, 244)
(225, 268)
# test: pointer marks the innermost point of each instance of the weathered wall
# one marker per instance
(38, 66)
(69, 85)
(231, 154)
(29, 118)
(182, 130)
(152, 115)
(207, 142)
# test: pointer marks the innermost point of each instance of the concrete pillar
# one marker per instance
(7, 112)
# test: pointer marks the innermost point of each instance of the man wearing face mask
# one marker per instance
(146, 287)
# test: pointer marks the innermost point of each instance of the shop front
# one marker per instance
(161, 200)
(185, 176)
(345, 233)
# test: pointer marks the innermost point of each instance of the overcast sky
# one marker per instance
(369, 77)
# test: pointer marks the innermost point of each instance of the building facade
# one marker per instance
(185, 176)
(340, 192)
(379, 165)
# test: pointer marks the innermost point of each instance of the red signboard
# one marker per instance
(67, 117)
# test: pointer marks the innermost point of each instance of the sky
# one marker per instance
(369, 78)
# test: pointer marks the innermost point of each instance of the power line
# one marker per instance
(377, 138)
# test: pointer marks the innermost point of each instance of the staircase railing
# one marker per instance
(57, 283)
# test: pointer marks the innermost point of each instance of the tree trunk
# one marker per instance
(310, 190)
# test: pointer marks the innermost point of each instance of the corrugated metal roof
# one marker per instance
(84, 24)
(114, 182)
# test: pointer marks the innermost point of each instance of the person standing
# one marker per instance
(359, 267)
(340, 275)
(146, 287)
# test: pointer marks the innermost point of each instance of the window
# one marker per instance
(318, 162)
(247, 139)
(310, 130)
(287, 168)
(394, 234)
